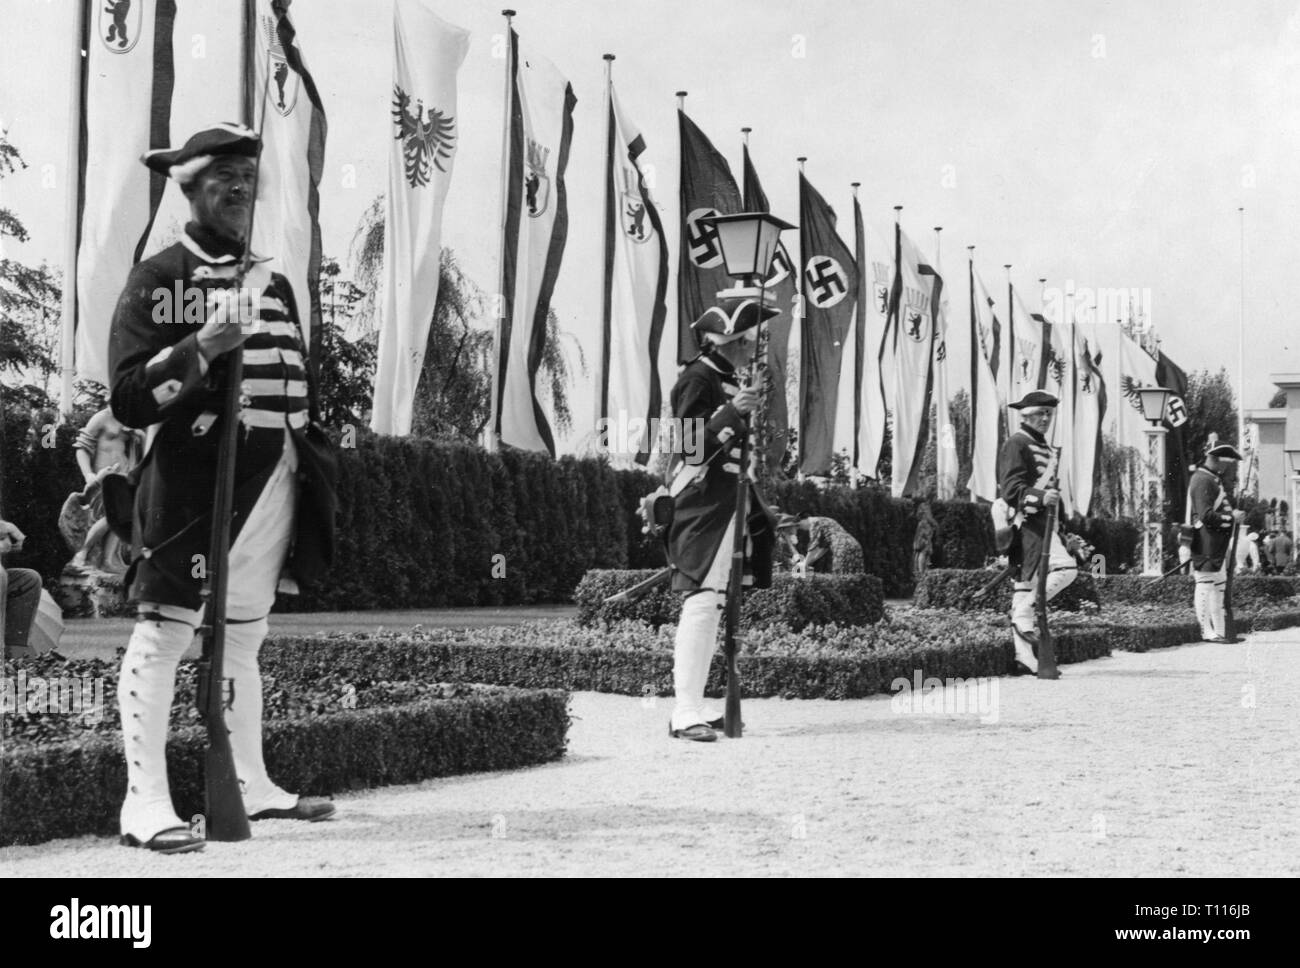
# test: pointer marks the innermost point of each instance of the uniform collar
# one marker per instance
(1032, 434)
(718, 363)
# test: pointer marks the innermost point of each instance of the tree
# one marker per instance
(1279, 400)
(1211, 408)
(454, 396)
(30, 300)
(346, 370)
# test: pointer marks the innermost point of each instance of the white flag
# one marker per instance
(128, 96)
(878, 365)
(537, 225)
(1137, 369)
(911, 339)
(987, 398)
(636, 274)
(1089, 411)
(293, 156)
(945, 455)
(425, 131)
(209, 87)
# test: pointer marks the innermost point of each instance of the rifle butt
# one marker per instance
(731, 712)
(225, 818)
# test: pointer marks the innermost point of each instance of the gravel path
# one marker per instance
(1179, 762)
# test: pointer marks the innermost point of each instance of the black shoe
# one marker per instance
(700, 733)
(173, 840)
(721, 723)
(310, 809)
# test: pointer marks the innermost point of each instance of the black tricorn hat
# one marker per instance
(1224, 452)
(737, 312)
(1036, 398)
(182, 164)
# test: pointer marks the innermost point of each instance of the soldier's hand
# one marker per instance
(745, 400)
(230, 313)
(10, 537)
(1239, 516)
(1184, 554)
(1051, 497)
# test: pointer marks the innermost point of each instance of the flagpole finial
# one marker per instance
(507, 14)
(801, 159)
(608, 57)
(938, 228)
(681, 100)
(854, 186)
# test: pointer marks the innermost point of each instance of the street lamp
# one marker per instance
(1153, 401)
(748, 242)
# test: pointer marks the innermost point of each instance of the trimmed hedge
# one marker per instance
(1134, 628)
(428, 524)
(791, 602)
(631, 659)
(76, 787)
(1247, 590)
(956, 588)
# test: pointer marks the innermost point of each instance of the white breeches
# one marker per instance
(1208, 599)
(1062, 571)
(697, 638)
(147, 683)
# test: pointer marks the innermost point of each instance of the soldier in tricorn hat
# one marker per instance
(711, 406)
(168, 373)
(1028, 491)
(1205, 536)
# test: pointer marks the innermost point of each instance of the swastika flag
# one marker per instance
(707, 188)
(829, 281)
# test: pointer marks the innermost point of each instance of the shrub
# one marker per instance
(630, 658)
(429, 524)
(950, 588)
(75, 786)
(792, 603)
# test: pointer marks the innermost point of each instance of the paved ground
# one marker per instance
(1179, 762)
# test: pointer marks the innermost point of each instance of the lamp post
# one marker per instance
(1154, 400)
(1293, 457)
(748, 242)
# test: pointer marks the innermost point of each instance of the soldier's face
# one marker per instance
(221, 197)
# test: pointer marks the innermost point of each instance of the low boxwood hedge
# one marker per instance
(1248, 590)
(630, 658)
(75, 786)
(790, 602)
(956, 588)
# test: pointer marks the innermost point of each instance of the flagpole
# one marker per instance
(974, 378)
(1011, 352)
(859, 335)
(1241, 340)
(72, 174)
(606, 302)
(494, 427)
(802, 315)
(892, 313)
(940, 404)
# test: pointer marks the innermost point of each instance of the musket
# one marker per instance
(1046, 649)
(225, 816)
(992, 583)
(1172, 571)
(731, 725)
(641, 588)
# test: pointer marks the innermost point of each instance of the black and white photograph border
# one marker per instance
(589, 506)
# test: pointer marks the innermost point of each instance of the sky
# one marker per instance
(1102, 143)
